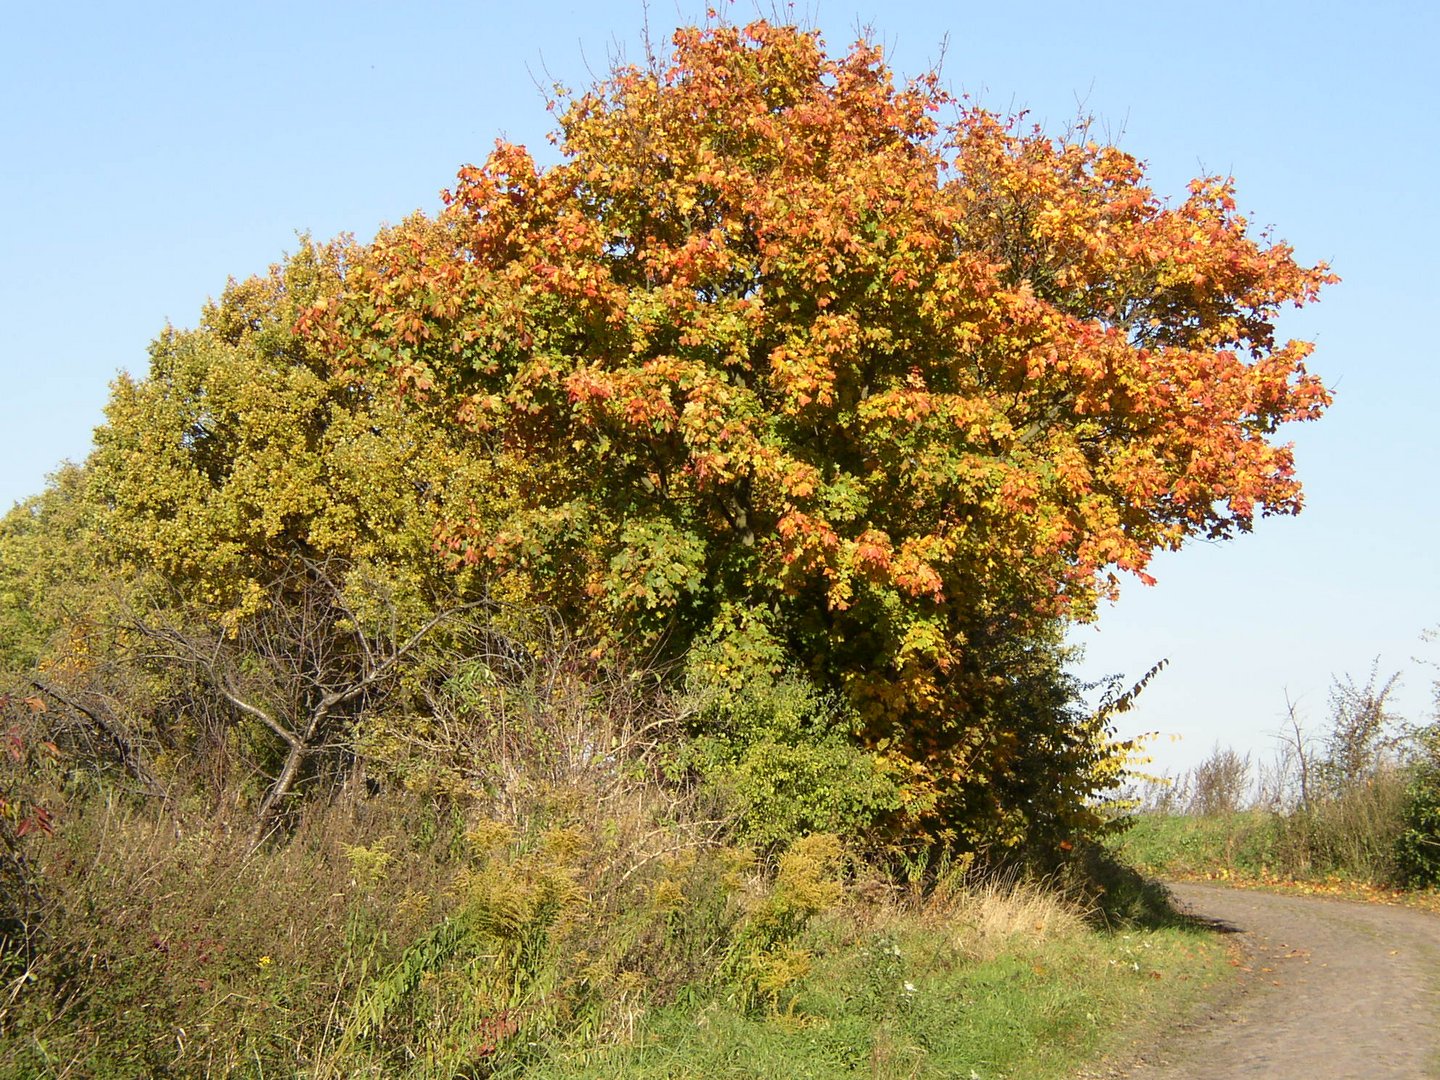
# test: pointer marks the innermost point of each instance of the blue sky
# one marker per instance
(151, 151)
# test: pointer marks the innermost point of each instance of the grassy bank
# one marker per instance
(1243, 844)
(1355, 808)
(1253, 848)
(396, 937)
(916, 1000)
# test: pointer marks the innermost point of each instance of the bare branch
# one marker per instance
(125, 750)
(253, 711)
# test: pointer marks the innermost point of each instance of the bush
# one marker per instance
(28, 766)
(1417, 849)
(779, 753)
(1220, 783)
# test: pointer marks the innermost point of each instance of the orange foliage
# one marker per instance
(915, 386)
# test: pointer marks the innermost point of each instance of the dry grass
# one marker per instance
(992, 915)
(530, 876)
(980, 916)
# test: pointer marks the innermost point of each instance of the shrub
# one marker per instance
(1220, 783)
(779, 753)
(1417, 850)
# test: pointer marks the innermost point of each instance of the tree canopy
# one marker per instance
(783, 367)
(902, 379)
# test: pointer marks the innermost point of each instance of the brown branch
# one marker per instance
(130, 757)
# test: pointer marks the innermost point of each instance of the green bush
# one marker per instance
(1417, 851)
(781, 754)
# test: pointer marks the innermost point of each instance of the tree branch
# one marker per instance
(130, 758)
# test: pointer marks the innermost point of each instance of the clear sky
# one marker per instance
(149, 151)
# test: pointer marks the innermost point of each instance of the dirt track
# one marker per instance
(1333, 990)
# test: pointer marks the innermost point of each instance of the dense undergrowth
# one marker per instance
(563, 895)
(396, 937)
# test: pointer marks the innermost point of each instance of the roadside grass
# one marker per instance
(1240, 844)
(1249, 849)
(993, 983)
(194, 955)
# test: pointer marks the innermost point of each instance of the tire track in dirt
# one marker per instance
(1333, 990)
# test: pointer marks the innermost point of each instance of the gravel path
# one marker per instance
(1333, 990)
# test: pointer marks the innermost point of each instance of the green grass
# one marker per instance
(1258, 848)
(1246, 843)
(915, 1002)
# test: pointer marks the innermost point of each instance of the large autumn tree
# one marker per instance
(781, 341)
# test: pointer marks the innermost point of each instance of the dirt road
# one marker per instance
(1334, 990)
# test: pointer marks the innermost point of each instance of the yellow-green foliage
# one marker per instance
(483, 977)
(788, 789)
(243, 448)
(766, 958)
(780, 750)
(54, 601)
